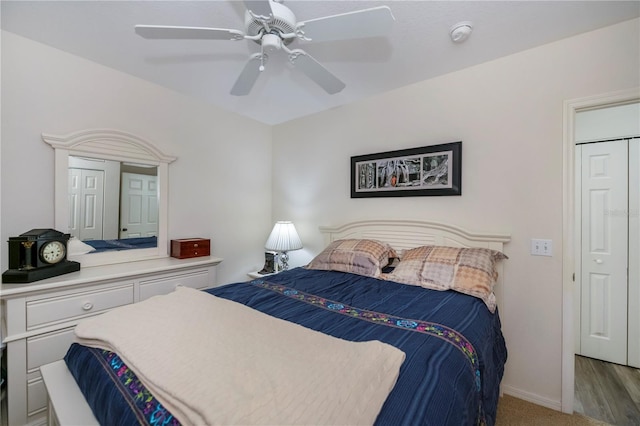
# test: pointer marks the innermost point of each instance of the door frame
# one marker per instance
(570, 108)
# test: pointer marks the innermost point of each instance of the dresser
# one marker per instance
(39, 318)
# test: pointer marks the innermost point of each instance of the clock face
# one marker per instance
(53, 252)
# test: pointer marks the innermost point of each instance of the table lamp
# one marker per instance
(283, 238)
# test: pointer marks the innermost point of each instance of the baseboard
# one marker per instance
(532, 397)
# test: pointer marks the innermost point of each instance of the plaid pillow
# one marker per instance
(466, 270)
(362, 257)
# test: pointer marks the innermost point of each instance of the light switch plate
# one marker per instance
(541, 247)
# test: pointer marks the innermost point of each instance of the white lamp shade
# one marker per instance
(283, 237)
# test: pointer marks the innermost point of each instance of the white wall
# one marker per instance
(509, 115)
(220, 185)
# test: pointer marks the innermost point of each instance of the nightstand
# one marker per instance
(255, 274)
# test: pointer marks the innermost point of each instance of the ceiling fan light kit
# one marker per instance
(273, 26)
(271, 42)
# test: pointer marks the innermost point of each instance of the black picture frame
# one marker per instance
(270, 263)
(434, 170)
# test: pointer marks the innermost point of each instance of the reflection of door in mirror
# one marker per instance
(110, 200)
(94, 190)
(139, 205)
(86, 203)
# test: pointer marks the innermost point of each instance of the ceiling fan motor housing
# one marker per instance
(283, 21)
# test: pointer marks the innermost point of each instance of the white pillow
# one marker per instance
(75, 247)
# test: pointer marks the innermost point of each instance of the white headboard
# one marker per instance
(406, 234)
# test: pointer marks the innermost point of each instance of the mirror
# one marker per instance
(108, 161)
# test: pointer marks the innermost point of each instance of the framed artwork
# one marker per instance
(270, 263)
(425, 171)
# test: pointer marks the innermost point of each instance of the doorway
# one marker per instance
(607, 339)
(606, 285)
(571, 247)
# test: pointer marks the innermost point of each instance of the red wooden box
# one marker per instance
(190, 247)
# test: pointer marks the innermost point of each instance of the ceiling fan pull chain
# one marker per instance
(261, 68)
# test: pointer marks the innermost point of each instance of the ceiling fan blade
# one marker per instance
(249, 75)
(315, 71)
(196, 33)
(259, 8)
(373, 22)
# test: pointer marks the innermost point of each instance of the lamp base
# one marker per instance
(284, 260)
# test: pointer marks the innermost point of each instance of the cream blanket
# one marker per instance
(211, 361)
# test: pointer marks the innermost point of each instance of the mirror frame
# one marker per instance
(114, 145)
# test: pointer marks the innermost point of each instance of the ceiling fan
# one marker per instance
(274, 27)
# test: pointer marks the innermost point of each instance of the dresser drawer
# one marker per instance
(47, 348)
(73, 305)
(43, 350)
(196, 279)
(36, 396)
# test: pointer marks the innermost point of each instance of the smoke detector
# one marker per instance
(461, 31)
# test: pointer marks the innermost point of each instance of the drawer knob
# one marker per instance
(195, 245)
(87, 306)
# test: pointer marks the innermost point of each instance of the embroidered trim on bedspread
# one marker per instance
(145, 403)
(437, 330)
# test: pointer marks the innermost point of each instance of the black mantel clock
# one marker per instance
(36, 255)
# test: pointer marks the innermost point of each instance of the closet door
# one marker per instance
(634, 253)
(604, 234)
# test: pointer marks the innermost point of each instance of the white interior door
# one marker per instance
(86, 203)
(138, 206)
(634, 253)
(604, 233)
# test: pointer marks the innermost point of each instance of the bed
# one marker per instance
(453, 349)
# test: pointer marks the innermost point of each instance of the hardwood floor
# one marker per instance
(607, 392)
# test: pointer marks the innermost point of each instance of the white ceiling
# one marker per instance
(418, 47)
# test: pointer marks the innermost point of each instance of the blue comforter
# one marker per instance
(455, 349)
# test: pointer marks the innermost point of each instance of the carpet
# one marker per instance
(516, 412)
